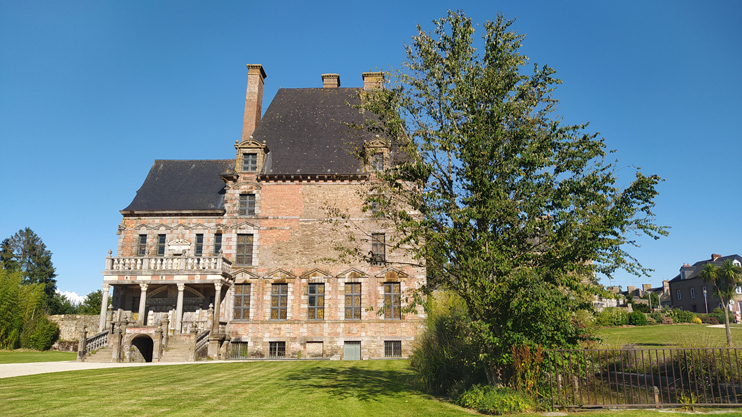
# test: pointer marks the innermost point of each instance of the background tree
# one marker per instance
(726, 279)
(92, 302)
(514, 210)
(25, 252)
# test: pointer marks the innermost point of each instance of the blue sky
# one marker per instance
(92, 92)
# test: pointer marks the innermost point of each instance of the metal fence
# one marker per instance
(643, 377)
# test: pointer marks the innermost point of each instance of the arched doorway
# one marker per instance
(145, 346)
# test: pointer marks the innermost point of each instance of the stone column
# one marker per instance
(166, 328)
(157, 345)
(81, 344)
(103, 308)
(217, 303)
(116, 344)
(142, 303)
(179, 309)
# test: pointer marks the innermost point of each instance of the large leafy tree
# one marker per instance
(26, 253)
(726, 279)
(514, 210)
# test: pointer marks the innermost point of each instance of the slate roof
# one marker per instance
(182, 185)
(305, 131)
(697, 267)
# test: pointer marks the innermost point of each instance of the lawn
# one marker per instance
(677, 335)
(27, 356)
(275, 388)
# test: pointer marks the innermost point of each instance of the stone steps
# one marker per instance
(102, 355)
(178, 350)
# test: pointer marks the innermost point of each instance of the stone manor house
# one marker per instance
(239, 252)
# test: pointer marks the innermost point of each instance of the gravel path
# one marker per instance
(10, 370)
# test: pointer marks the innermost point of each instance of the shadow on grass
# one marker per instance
(354, 382)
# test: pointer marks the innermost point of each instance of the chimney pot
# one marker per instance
(715, 256)
(330, 80)
(253, 99)
(373, 81)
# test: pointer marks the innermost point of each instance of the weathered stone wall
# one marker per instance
(69, 325)
(294, 244)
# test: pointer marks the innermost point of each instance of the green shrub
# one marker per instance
(612, 316)
(490, 400)
(640, 307)
(445, 359)
(637, 318)
(651, 320)
(657, 317)
(44, 335)
(681, 316)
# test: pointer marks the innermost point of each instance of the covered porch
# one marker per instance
(189, 291)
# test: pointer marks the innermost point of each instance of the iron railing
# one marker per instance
(643, 377)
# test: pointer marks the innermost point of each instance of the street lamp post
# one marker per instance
(705, 300)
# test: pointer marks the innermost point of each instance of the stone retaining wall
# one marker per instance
(70, 323)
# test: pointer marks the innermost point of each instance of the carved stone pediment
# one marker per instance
(315, 273)
(391, 274)
(280, 274)
(352, 273)
(179, 246)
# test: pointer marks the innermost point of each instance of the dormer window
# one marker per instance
(249, 162)
(377, 163)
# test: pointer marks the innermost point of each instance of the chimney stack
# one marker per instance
(646, 287)
(715, 256)
(330, 80)
(253, 99)
(373, 81)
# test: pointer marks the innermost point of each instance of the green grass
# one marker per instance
(677, 335)
(27, 356)
(295, 388)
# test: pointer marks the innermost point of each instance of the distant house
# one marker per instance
(687, 288)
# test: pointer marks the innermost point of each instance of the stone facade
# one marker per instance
(264, 259)
(687, 289)
(70, 325)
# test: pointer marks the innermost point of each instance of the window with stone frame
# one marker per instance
(392, 349)
(247, 205)
(249, 162)
(160, 245)
(238, 350)
(279, 301)
(142, 247)
(377, 162)
(392, 300)
(244, 250)
(276, 349)
(316, 305)
(692, 293)
(378, 252)
(241, 302)
(353, 301)
(199, 250)
(217, 243)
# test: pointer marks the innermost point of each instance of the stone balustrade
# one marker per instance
(144, 264)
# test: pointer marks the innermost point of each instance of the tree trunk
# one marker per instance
(726, 323)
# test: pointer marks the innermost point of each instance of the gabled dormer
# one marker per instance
(377, 154)
(253, 158)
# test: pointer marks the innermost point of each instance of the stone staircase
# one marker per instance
(178, 350)
(102, 355)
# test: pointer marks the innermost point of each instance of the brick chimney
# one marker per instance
(715, 256)
(373, 81)
(253, 99)
(330, 80)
